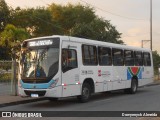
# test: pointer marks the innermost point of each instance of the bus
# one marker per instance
(61, 66)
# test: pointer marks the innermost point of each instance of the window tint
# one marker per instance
(128, 58)
(104, 56)
(146, 59)
(89, 54)
(69, 59)
(138, 58)
(117, 57)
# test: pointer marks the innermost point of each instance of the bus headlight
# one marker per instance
(54, 83)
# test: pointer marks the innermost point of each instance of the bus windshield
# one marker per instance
(39, 60)
(40, 63)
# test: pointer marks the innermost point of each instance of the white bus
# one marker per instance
(62, 66)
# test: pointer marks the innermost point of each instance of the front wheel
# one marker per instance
(86, 93)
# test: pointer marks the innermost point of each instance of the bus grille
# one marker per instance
(40, 93)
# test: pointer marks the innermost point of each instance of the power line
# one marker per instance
(136, 35)
(106, 11)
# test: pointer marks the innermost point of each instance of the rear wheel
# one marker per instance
(86, 93)
(134, 87)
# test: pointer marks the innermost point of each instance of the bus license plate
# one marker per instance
(34, 95)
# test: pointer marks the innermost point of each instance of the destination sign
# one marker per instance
(40, 43)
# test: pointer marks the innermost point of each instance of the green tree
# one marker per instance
(11, 38)
(97, 29)
(4, 14)
(38, 22)
(74, 20)
(70, 15)
(81, 21)
(156, 61)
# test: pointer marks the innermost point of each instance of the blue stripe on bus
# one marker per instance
(36, 85)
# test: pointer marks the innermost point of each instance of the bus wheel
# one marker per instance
(133, 89)
(86, 93)
(134, 86)
(52, 99)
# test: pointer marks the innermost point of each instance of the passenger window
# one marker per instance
(128, 58)
(117, 57)
(138, 58)
(146, 59)
(89, 54)
(104, 56)
(69, 59)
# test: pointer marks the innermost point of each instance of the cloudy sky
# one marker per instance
(131, 17)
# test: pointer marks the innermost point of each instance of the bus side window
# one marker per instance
(89, 55)
(117, 55)
(138, 58)
(146, 59)
(104, 56)
(128, 58)
(69, 59)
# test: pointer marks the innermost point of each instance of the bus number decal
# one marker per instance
(87, 72)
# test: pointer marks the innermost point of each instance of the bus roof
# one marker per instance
(92, 42)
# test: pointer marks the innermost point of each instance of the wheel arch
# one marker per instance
(135, 78)
(91, 83)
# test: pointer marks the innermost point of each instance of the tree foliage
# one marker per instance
(4, 14)
(73, 20)
(156, 61)
(38, 22)
(97, 29)
(69, 16)
(11, 38)
(81, 21)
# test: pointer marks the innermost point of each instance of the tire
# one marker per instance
(53, 99)
(86, 93)
(134, 86)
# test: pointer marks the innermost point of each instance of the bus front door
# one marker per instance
(70, 70)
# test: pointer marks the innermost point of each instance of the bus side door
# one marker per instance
(118, 77)
(70, 69)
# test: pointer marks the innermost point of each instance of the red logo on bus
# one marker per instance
(99, 72)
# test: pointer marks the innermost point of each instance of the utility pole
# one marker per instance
(151, 23)
(14, 80)
(150, 28)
